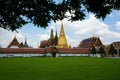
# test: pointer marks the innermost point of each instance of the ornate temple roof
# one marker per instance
(44, 43)
(14, 43)
(90, 42)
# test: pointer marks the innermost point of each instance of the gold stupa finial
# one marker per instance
(62, 30)
(62, 41)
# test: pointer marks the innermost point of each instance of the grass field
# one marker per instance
(68, 68)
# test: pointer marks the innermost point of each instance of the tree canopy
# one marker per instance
(16, 13)
(112, 50)
(102, 51)
(93, 51)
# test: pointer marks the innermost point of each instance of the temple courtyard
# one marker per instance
(61, 68)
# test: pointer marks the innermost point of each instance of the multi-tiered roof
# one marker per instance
(90, 42)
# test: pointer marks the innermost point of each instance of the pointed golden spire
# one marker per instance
(62, 30)
(62, 42)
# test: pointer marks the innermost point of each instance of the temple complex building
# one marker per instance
(57, 46)
(52, 41)
(15, 44)
(25, 45)
(60, 42)
(117, 47)
(44, 44)
(90, 42)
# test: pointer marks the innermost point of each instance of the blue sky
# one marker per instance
(108, 31)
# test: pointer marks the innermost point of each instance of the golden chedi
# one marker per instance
(62, 41)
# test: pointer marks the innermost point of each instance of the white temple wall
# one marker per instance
(20, 55)
(72, 55)
(48, 55)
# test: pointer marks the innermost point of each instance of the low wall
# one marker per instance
(47, 55)
(21, 55)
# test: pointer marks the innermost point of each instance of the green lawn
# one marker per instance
(67, 68)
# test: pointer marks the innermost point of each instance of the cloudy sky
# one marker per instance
(108, 31)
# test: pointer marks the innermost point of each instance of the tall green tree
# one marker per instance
(93, 51)
(112, 50)
(102, 51)
(16, 13)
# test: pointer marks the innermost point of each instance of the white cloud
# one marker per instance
(43, 36)
(117, 25)
(72, 42)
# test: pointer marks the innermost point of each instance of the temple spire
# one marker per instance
(56, 39)
(51, 40)
(25, 40)
(62, 30)
(56, 33)
(52, 34)
(62, 41)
